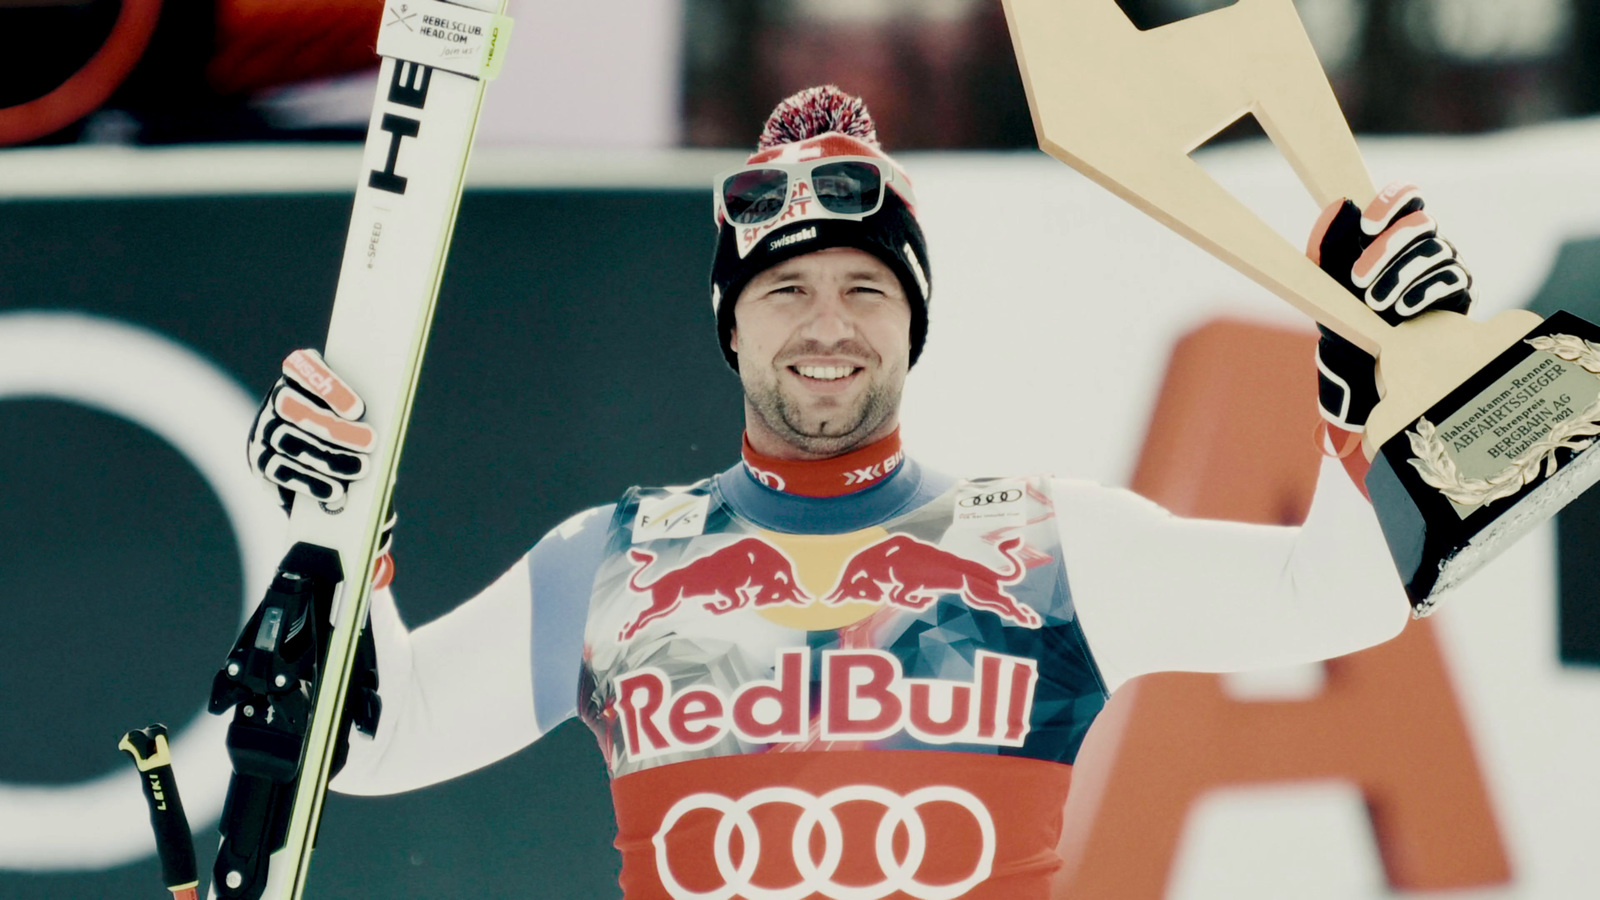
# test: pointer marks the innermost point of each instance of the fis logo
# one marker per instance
(672, 516)
(899, 571)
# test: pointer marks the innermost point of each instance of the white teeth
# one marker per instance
(825, 373)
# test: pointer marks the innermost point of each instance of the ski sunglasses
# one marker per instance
(756, 198)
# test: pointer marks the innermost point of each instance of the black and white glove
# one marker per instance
(306, 438)
(1391, 257)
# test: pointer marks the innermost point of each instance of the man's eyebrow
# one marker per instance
(797, 274)
(784, 275)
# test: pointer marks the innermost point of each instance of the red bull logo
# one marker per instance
(745, 573)
(865, 696)
(904, 571)
(900, 571)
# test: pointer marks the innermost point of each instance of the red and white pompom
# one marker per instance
(815, 111)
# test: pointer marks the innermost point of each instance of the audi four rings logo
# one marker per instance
(1007, 496)
(816, 875)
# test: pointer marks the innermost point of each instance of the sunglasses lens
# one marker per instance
(755, 195)
(851, 188)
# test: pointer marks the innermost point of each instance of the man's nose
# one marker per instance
(830, 319)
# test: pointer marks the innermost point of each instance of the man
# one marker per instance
(828, 671)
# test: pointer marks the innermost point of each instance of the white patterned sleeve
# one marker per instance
(1155, 592)
(457, 693)
(484, 680)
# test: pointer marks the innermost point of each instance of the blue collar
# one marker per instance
(910, 486)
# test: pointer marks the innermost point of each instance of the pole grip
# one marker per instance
(174, 843)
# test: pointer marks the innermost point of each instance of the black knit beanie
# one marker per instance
(814, 124)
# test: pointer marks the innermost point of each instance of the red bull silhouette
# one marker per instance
(744, 573)
(903, 571)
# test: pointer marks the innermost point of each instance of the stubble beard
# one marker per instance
(832, 432)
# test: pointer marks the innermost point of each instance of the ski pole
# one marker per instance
(174, 844)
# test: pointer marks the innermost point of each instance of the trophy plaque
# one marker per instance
(1484, 429)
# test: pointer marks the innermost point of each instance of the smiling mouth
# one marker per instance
(825, 373)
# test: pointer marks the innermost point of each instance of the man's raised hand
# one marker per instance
(1391, 257)
(306, 439)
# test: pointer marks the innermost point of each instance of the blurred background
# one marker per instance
(175, 183)
(698, 73)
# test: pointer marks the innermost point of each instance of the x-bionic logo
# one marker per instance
(833, 814)
(874, 471)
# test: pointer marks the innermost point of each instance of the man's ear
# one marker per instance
(733, 340)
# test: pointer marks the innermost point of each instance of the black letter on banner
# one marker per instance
(410, 84)
(398, 127)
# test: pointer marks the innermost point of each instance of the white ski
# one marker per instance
(437, 58)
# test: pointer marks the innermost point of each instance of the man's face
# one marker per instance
(824, 343)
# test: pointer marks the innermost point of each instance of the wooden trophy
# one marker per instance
(1484, 428)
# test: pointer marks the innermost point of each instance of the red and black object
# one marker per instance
(174, 843)
(270, 681)
(181, 69)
